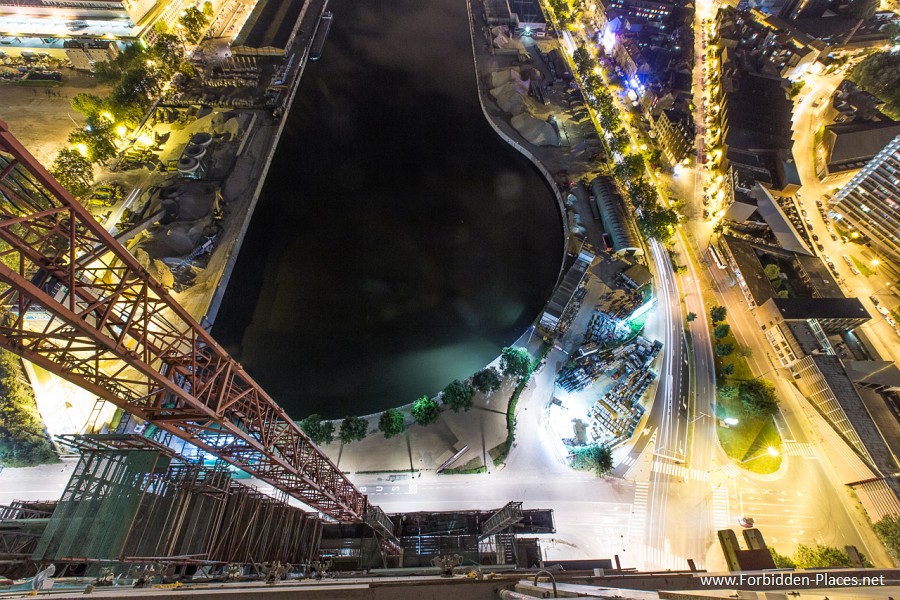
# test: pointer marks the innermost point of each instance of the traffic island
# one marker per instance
(745, 407)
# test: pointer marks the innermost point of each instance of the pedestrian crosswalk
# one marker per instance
(639, 511)
(628, 460)
(721, 516)
(801, 449)
(680, 471)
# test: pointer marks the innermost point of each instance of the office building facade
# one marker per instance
(871, 201)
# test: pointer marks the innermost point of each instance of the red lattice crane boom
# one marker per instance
(78, 304)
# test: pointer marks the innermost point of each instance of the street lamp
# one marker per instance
(770, 451)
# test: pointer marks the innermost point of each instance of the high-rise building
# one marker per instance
(870, 200)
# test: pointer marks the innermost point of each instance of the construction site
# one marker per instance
(175, 498)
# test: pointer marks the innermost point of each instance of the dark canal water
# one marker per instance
(398, 243)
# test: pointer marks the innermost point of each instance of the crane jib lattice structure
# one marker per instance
(78, 304)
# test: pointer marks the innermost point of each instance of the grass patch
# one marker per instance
(476, 465)
(863, 267)
(749, 439)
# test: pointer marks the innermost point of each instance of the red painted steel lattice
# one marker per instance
(77, 303)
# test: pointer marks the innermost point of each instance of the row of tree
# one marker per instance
(757, 396)
(879, 74)
(815, 557)
(137, 76)
(23, 442)
(458, 395)
(654, 220)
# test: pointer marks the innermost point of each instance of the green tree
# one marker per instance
(888, 529)
(515, 362)
(781, 561)
(630, 167)
(426, 411)
(194, 22)
(168, 49)
(772, 272)
(721, 331)
(758, 398)
(584, 62)
(728, 392)
(487, 380)
(658, 222)
(208, 9)
(783, 294)
(809, 557)
(879, 74)
(691, 317)
(73, 171)
(391, 423)
(319, 431)
(458, 395)
(87, 104)
(187, 69)
(596, 458)
(728, 369)
(353, 429)
(718, 313)
(23, 442)
(723, 350)
(97, 136)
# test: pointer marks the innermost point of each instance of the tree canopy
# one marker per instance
(772, 271)
(758, 398)
(73, 171)
(458, 395)
(721, 331)
(23, 442)
(728, 392)
(596, 458)
(820, 556)
(319, 431)
(194, 22)
(487, 380)
(391, 423)
(515, 362)
(879, 74)
(724, 350)
(426, 411)
(888, 529)
(718, 313)
(353, 429)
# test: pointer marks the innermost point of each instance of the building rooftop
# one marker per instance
(852, 145)
(846, 394)
(820, 308)
(270, 24)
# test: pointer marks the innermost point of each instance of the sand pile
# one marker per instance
(537, 132)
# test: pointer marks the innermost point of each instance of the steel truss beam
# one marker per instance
(77, 303)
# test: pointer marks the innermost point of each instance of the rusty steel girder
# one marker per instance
(77, 303)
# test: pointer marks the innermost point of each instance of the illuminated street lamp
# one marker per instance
(770, 451)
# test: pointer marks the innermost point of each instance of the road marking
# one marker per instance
(639, 511)
(680, 471)
(721, 515)
(801, 449)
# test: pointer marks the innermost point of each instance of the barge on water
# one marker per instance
(322, 29)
